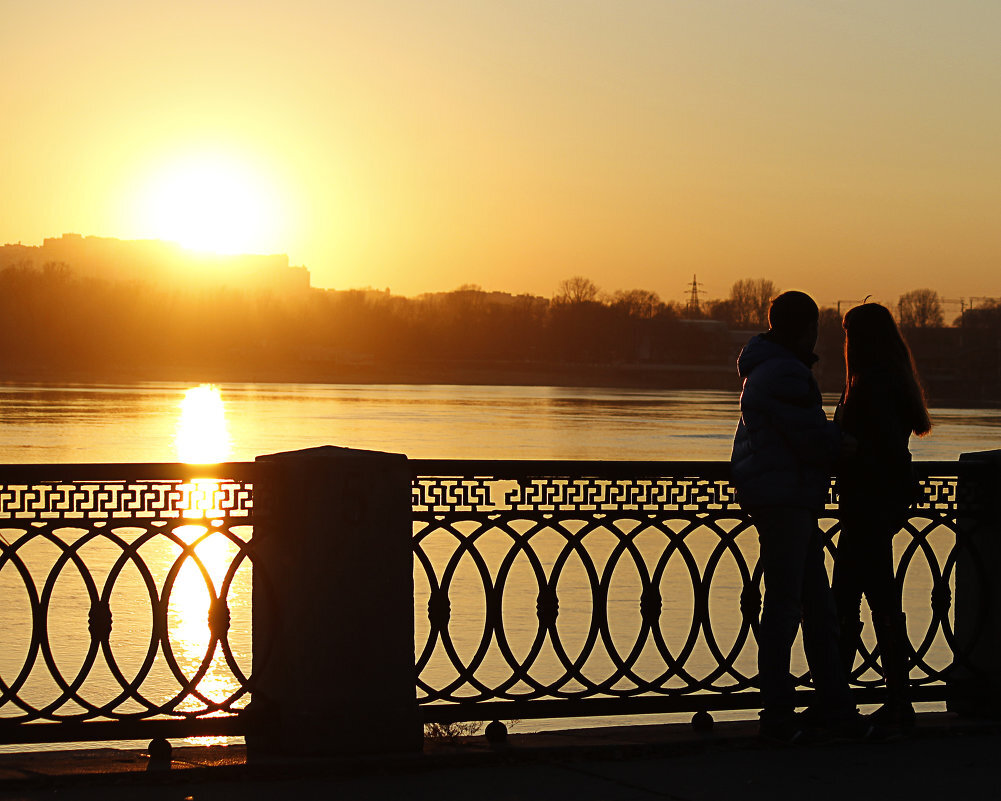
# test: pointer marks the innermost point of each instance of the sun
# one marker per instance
(214, 203)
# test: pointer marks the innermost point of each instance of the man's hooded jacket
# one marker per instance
(785, 447)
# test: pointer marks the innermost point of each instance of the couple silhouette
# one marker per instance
(785, 451)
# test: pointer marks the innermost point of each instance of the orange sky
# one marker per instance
(845, 148)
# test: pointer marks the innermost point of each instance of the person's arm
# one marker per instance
(792, 408)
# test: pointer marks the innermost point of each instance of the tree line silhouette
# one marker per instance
(56, 325)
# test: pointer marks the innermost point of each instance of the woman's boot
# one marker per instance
(891, 636)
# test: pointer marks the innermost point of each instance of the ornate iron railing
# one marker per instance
(586, 588)
(151, 564)
(543, 589)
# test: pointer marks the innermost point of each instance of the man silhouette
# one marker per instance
(783, 456)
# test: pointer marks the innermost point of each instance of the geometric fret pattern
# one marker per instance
(146, 500)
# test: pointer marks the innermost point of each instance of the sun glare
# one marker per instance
(215, 204)
(202, 437)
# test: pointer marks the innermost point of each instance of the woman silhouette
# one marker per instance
(881, 406)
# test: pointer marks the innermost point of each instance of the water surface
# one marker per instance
(151, 422)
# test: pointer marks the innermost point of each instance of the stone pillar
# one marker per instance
(333, 614)
(975, 686)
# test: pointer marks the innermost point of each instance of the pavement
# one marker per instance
(946, 757)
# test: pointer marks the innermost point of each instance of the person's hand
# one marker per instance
(849, 446)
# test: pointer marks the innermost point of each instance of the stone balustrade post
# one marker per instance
(974, 689)
(333, 614)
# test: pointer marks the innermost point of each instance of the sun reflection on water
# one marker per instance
(190, 607)
(202, 438)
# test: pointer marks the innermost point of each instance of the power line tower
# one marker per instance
(693, 309)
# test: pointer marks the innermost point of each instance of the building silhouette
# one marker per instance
(162, 263)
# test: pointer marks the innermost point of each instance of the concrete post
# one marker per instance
(975, 686)
(333, 613)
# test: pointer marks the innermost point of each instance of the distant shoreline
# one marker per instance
(481, 374)
(610, 376)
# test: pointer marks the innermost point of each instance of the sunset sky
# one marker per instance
(844, 148)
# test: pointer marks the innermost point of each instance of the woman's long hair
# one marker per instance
(874, 343)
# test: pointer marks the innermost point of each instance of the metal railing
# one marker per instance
(544, 589)
(118, 583)
(634, 588)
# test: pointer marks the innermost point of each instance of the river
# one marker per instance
(166, 422)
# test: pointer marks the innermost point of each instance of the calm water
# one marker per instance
(166, 422)
(179, 422)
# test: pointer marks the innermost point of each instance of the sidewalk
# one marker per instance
(946, 757)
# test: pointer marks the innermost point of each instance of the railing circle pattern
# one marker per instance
(693, 529)
(154, 570)
(536, 582)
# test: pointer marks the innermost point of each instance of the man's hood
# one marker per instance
(759, 350)
(762, 348)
